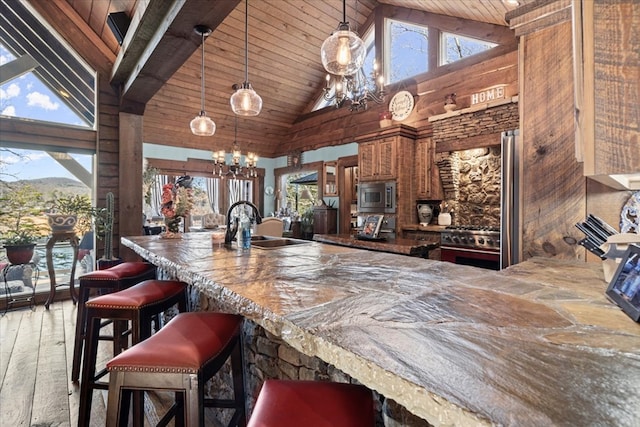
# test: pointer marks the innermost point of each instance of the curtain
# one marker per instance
(156, 194)
(213, 193)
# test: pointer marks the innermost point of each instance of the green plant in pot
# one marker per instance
(104, 230)
(19, 232)
(306, 224)
(69, 213)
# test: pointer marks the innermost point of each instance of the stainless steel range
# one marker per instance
(471, 245)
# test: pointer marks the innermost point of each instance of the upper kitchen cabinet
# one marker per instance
(607, 90)
(330, 170)
(377, 160)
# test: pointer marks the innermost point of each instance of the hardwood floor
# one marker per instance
(36, 352)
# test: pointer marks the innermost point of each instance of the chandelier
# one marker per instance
(202, 125)
(245, 101)
(343, 52)
(355, 88)
(235, 168)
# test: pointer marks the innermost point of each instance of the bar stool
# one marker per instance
(284, 403)
(182, 356)
(109, 280)
(137, 304)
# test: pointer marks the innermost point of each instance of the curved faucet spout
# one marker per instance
(232, 229)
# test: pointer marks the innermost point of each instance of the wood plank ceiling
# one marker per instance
(284, 61)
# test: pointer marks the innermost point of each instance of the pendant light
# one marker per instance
(343, 52)
(245, 101)
(202, 125)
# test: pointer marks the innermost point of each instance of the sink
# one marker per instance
(271, 242)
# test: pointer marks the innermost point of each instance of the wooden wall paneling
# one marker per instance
(553, 188)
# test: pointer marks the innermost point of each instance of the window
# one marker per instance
(456, 47)
(408, 47)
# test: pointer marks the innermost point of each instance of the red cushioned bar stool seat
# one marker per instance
(284, 403)
(137, 304)
(181, 357)
(112, 279)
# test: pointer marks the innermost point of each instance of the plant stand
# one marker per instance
(9, 298)
(74, 242)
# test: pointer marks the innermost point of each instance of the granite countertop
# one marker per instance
(537, 344)
(396, 246)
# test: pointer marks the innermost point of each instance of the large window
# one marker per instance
(408, 47)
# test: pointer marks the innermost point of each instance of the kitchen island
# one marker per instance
(536, 344)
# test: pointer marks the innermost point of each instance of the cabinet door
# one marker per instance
(386, 150)
(426, 175)
(366, 161)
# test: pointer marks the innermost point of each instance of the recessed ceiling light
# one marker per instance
(64, 93)
(511, 2)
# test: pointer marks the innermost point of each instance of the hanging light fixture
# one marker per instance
(343, 52)
(356, 88)
(235, 167)
(202, 125)
(245, 101)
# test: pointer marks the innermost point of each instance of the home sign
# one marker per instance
(487, 95)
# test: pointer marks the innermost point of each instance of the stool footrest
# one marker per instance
(219, 403)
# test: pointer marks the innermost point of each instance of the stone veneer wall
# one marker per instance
(267, 356)
(471, 178)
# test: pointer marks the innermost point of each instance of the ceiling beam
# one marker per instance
(161, 44)
(17, 67)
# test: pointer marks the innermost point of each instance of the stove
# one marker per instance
(471, 245)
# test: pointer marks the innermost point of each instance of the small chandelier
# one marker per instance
(235, 169)
(356, 88)
(343, 52)
(245, 101)
(202, 125)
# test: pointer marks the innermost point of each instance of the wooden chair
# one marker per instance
(284, 403)
(112, 279)
(182, 356)
(270, 226)
(138, 305)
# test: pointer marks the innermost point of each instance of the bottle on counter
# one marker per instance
(244, 232)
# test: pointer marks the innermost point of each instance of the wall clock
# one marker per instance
(268, 190)
(401, 105)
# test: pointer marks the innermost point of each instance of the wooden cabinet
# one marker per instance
(607, 81)
(325, 220)
(330, 171)
(427, 176)
(377, 160)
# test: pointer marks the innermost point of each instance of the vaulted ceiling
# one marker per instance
(158, 66)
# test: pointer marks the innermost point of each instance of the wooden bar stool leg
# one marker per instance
(81, 318)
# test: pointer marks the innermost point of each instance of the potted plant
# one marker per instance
(19, 231)
(104, 230)
(70, 212)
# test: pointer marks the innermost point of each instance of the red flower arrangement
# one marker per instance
(177, 202)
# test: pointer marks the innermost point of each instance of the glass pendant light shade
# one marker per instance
(202, 125)
(343, 52)
(245, 101)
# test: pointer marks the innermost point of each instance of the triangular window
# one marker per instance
(42, 77)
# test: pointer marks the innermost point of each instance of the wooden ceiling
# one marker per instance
(284, 59)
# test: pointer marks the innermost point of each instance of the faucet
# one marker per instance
(233, 229)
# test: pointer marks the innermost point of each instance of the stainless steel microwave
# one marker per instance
(377, 197)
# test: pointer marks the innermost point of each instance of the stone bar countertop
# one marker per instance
(537, 344)
(396, 246)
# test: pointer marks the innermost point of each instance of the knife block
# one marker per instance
(614, 249)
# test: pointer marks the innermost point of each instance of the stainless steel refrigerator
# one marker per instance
(510, 217)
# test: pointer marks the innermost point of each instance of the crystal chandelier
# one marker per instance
(245, 101)
(202, 125)
(356, 88)
(235, 168)
(343, 52)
